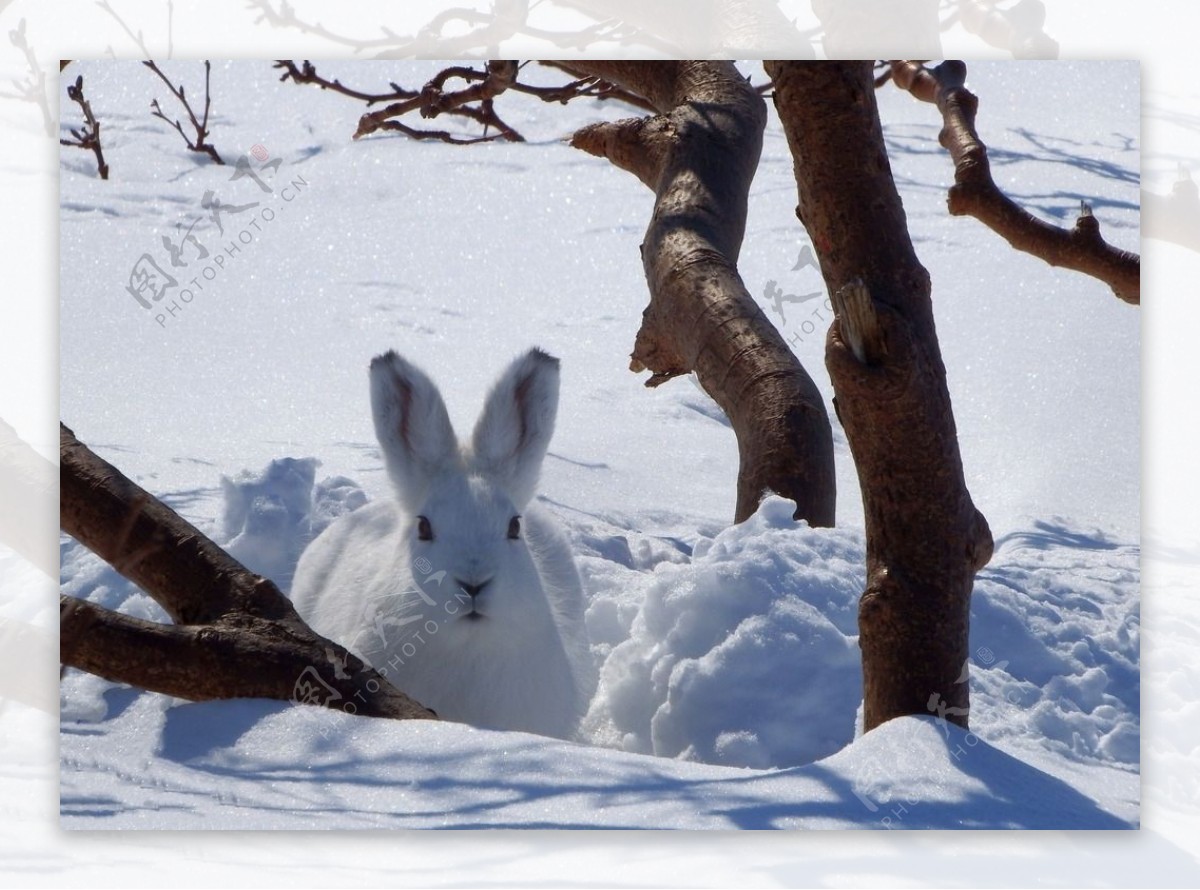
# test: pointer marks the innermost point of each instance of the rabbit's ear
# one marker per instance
(516, 425)
(412, 426)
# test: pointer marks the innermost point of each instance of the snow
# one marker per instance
(274, 766)
(727, 656)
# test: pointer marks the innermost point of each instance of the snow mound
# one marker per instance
(271, 516)
(745, 656)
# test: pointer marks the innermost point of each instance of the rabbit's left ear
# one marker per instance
(514, 430)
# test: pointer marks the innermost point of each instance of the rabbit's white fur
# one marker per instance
(513, 655)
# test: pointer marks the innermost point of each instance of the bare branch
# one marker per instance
(200, 143)
(307, 73)
(475, 101)
(593, 87)
(89, 136)
(235, 634)
(433, 100)
(440, 135)
(430, 101)
(976, 194)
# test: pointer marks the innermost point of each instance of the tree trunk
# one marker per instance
(235, 635)
(699, 155)
(925, 539)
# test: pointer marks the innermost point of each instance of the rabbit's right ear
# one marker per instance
(412, 426)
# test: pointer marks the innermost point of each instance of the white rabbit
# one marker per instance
(461, 591)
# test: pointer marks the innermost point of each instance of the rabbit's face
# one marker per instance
(468, 552)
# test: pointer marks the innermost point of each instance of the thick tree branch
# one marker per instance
(976, 194)
(235, 634)
(699, 155)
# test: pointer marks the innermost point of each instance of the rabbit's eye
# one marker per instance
(424, 529)
(514, 527)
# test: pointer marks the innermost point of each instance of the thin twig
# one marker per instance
(200, 144)
(89, 135)
(441, 135)
(433, 100)
(475, 101)
(306, 72)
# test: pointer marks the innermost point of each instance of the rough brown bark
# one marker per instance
(976, 194)
(699, 155)
(925, 539)
(235, 634)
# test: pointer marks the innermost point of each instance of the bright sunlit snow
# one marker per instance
(726, 657)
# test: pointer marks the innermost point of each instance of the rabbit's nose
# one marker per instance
(472, 590)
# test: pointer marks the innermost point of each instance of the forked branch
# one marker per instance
(200, 124)
(235, 634)
(976, 194)
(433, 100)
(475, 101)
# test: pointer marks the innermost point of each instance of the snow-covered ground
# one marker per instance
(726, 656)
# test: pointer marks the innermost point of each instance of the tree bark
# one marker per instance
(976, 194)
(925, 539)
(235, 634)
(699, 155)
